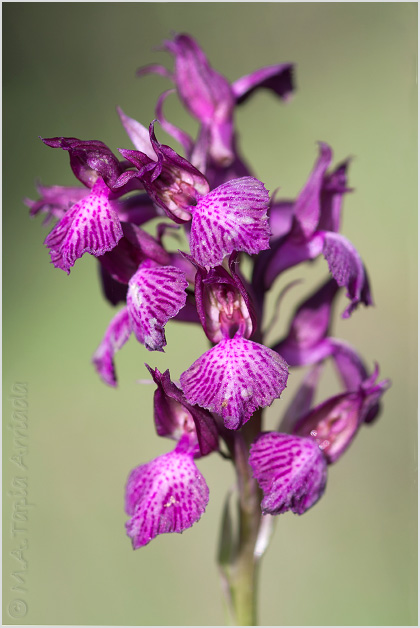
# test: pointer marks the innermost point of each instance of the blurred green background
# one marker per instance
(351, 560)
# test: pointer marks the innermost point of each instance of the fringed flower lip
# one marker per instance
(291, 471)
(167, 494)
(234, 378)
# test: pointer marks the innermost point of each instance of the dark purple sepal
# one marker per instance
(90, 226)
(347, 269)
(354, 376)
(305, 341)
(167, 494)
(333, 189)
(333, 424)
(291, 471)
(223, 303)
(89, 159)
(114, 291)
(302, 401)
(349, 364)
(137, 209)
(170, 180)
(175, 417)
(284, 253)
(234, 378)
(123, 261)
(372, 394)
(307, 208)
(116, 336)
(276, 78)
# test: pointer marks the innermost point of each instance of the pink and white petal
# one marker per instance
(138, 134)
(234, 378)
(155, 294)
(90, 226)
(291, 471)
(116, 336)
(233, 217)
(168, 494)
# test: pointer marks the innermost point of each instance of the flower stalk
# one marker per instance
(227, 214)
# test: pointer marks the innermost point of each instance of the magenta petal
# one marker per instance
(116, 336)
(155, 294)
(168, 494)
(347, 269)
(90, 226)
(234, 378)
(233, 217)
(291, 471)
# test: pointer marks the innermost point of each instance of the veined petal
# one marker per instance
(90, 226)
(233, 217)
(291, 471)
(168, 494)
(234, 378)
(155, 294)
(347, 269)
(116, 336)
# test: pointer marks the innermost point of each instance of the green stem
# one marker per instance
(240, 568)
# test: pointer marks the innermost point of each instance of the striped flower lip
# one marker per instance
(90, 226)
(291, 471)
(234, 378)
(167, 494)
(155, 294)
(232, 217)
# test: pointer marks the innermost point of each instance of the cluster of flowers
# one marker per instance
(226, 214)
